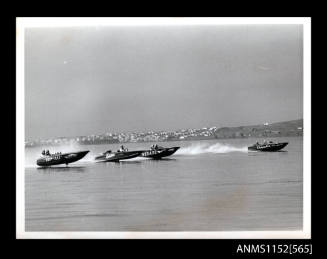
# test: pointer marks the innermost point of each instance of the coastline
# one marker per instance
(292, 128)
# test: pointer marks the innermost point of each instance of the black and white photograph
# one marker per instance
(163, 128)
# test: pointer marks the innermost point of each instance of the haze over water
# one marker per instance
(213, 185)
(95, 79)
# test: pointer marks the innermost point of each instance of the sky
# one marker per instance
(91, 80)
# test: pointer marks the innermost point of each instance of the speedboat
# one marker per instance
(110, 156)
(58, 158)
(158, 152)
(268, 146)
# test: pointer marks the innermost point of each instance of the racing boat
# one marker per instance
(268, 146)
(157, 152)
(58, 158)
(121, 154)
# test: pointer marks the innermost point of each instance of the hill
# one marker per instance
(279, 129)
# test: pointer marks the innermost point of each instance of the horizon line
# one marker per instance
(149, 130)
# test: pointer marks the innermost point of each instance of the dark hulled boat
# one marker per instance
(159, 152)
(58, 158)
(270, 146)
(109, 156)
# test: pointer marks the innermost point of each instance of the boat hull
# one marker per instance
(268, 147)
(117, 156)
(157, 154)
(57, 159)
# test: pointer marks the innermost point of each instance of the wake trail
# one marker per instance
(218, 148)
(193, 149)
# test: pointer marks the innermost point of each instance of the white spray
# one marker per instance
(202, 148)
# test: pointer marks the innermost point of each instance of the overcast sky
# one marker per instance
(91, 80)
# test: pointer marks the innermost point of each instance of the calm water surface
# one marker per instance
(214, 185)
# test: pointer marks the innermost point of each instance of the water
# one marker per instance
(214, 185)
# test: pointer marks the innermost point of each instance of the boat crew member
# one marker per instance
(43, 152)
(122, 148)
(47, 153)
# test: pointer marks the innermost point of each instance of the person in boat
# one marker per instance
(122, 149)
(154, 147)
(47, 153)
(43, 152)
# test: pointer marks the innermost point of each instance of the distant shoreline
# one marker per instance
(292, 128)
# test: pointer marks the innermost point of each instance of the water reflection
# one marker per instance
(126, 162)
(129, 162)
(78, 169)
(162, 159)
(259, 153)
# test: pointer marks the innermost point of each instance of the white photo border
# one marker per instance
(22, 23)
